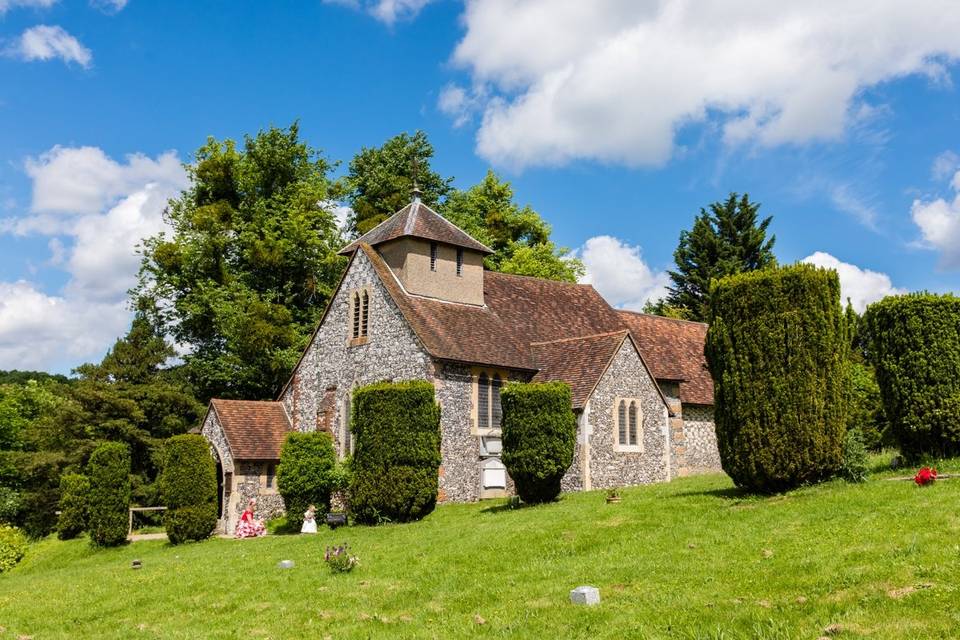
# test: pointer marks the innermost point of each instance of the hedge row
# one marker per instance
(188, 488)
(306, 474)
(109, 474)
(74, 495)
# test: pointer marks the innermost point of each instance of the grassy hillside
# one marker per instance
(690, 559)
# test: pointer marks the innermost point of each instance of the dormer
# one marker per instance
(429, 255)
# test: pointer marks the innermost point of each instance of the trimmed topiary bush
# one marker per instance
(74, 493)
(396, 460)
(539, 437)
(777, 348)
(306, 475)
(913, 342)
(188, 488)
(13, 546)
(109, 474)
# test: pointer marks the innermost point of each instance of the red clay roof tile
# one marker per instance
(254, 430)
(420, 221)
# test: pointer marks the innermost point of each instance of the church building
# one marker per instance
(415, 302)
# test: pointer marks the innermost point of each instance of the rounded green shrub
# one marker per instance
(913, 342)
(778, 350)
(74, 493)
(109, 474)
(539, 437)
(396, 459)
(306, 474)
(188, 488)
(13, 546)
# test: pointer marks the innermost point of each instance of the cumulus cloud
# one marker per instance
(85, 179)
(939, 224)
(387, 11)
(45, 42)
(96, 211)
(614, 81)
(617, 270)
(35, 4)
(860, 286)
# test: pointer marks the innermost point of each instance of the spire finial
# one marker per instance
(415, 192)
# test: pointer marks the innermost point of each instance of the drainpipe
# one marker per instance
(585, 430)
(666, 444)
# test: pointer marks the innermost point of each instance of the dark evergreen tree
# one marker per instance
(778, 350)
(725, 240)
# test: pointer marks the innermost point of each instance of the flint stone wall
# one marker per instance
(392, 352)
(625, 378)
(703, 456)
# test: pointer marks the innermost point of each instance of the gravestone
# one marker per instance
(585, 595)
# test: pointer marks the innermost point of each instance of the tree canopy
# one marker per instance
(380, 180)
(519, 237)
(726, 240)
(250, 264)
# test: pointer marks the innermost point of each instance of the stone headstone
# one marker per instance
(136, 564)
(285, 564)
(585, 595)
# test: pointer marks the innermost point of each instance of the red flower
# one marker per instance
(925, 476)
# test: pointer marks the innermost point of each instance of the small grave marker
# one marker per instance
(585, 595)
(285, 564)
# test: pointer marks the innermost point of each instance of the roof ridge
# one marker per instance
(520, 275)
(573, 339)
(653, 315)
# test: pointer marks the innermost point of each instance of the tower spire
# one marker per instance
(415, 192)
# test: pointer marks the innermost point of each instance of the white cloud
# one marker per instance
(618, 272)
(85, 180)
(939, 223)
(5, 5)
(109, 6)
(102, 208)
(944, 165)
(387, 11)
(844, 199)
(613, 81)
(45, 42)
(860, 286)
(39, 331)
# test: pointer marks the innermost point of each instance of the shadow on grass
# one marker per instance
(514, 504)
(728, 493)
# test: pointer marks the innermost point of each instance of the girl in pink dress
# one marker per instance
(248, 527)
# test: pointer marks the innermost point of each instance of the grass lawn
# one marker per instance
(689, 559)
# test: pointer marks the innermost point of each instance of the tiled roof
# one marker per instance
(420, 221)
(450, 331)
(254, 430)
(673, 350)
(580, 362)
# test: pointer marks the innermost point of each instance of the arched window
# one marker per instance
(356, 315)
(496, 410)
(365, 314)
(622, 423)
(633, 423)
(483, 401)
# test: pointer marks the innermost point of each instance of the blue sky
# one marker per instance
(615, 122)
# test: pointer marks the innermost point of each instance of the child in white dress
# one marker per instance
(309, 520)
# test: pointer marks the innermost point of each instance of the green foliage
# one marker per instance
(380, 180)
(74, 495)
(914, 344)
(519, 237)
(13, 546)
(662, 308)
(855, 463)
(539, 437)
(188, 488)
(9, 505)
(14, 376)
(195, 522)
(396, 461)
(724, 241)
(250, 264)
(777, 348)
(866, 408)
(20, 405)
(306, 474)
(109, 473)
